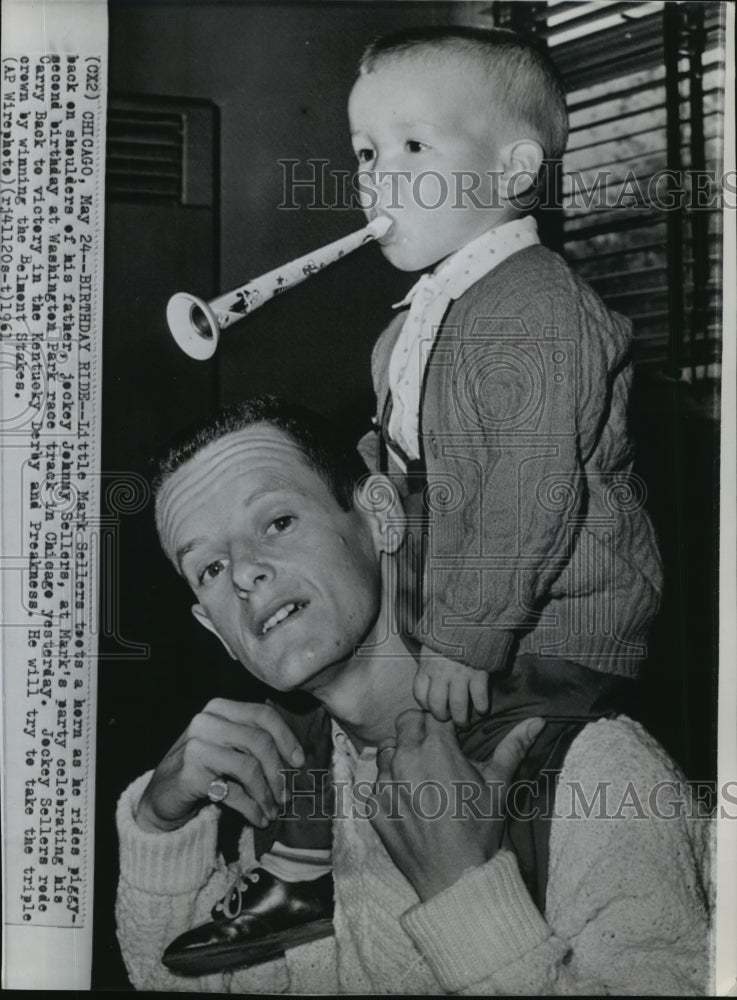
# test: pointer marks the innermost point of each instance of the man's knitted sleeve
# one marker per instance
(627, 907)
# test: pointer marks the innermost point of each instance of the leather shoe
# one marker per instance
(259, 919)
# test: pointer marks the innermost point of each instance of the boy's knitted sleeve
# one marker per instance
(523, 421)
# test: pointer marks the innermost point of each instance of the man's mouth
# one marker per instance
(282, 613)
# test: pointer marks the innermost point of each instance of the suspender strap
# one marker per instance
(530, 810)
(415, 478)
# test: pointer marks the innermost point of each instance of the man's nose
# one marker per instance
(250, 570)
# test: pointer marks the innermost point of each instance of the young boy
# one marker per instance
(502, 397)
(502, 392)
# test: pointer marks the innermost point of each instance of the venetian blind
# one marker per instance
(645, 84)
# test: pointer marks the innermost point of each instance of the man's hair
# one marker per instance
(323, 447)
(521, 76)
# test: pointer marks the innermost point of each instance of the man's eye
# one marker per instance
(212, 570)
(414, 146)
(365, 155)
(280, 524)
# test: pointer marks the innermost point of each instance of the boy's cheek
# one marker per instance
(430, 191)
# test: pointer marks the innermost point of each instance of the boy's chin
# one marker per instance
(408, 259)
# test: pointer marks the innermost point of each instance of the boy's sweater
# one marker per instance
(626, 909)
(537, 531)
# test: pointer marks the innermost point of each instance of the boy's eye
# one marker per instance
(280, 524)
(364, 155)
(212, 570)
(414, 146)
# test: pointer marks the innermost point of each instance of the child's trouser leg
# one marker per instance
(285, 899)
(296, 846)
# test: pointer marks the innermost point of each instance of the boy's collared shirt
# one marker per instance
(429, 299)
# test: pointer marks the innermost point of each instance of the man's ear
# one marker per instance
(520, 162)
(204, 619)
(377, 498)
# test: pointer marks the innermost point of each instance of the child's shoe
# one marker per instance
(257, 920)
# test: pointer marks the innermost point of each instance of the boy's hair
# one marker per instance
(519, 71)
(323, 447)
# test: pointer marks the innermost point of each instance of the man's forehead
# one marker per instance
(260, 455)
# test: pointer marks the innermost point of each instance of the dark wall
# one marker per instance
(676, 431)
(280, 75)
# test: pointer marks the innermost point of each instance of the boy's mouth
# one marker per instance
(387, 235)
(281, 614)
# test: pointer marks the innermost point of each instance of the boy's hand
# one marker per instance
(445, 687)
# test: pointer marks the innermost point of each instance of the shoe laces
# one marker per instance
(231, 904)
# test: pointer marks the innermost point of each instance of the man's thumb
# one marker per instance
(512, 749)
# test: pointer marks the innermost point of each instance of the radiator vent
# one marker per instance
(160, 150)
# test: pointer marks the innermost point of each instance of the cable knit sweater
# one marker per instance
(626, 911)
(537, 530)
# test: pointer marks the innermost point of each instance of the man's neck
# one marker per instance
(379, 678)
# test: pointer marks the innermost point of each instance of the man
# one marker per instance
(289, 553)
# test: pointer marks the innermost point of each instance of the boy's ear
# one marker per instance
(377, 498)
(204, 619)
(521, 161)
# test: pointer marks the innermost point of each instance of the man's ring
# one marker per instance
(389, 746)
(218, 790)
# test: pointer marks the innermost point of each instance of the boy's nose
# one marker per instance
(377, 189)
(368, 188)
(380, 176)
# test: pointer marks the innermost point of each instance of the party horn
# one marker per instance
(196, 324)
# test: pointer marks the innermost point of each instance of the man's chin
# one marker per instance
(312, 678)
(286, 679)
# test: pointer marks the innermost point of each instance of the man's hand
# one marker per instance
(432, 853)
(445, 688)
(247, 744)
